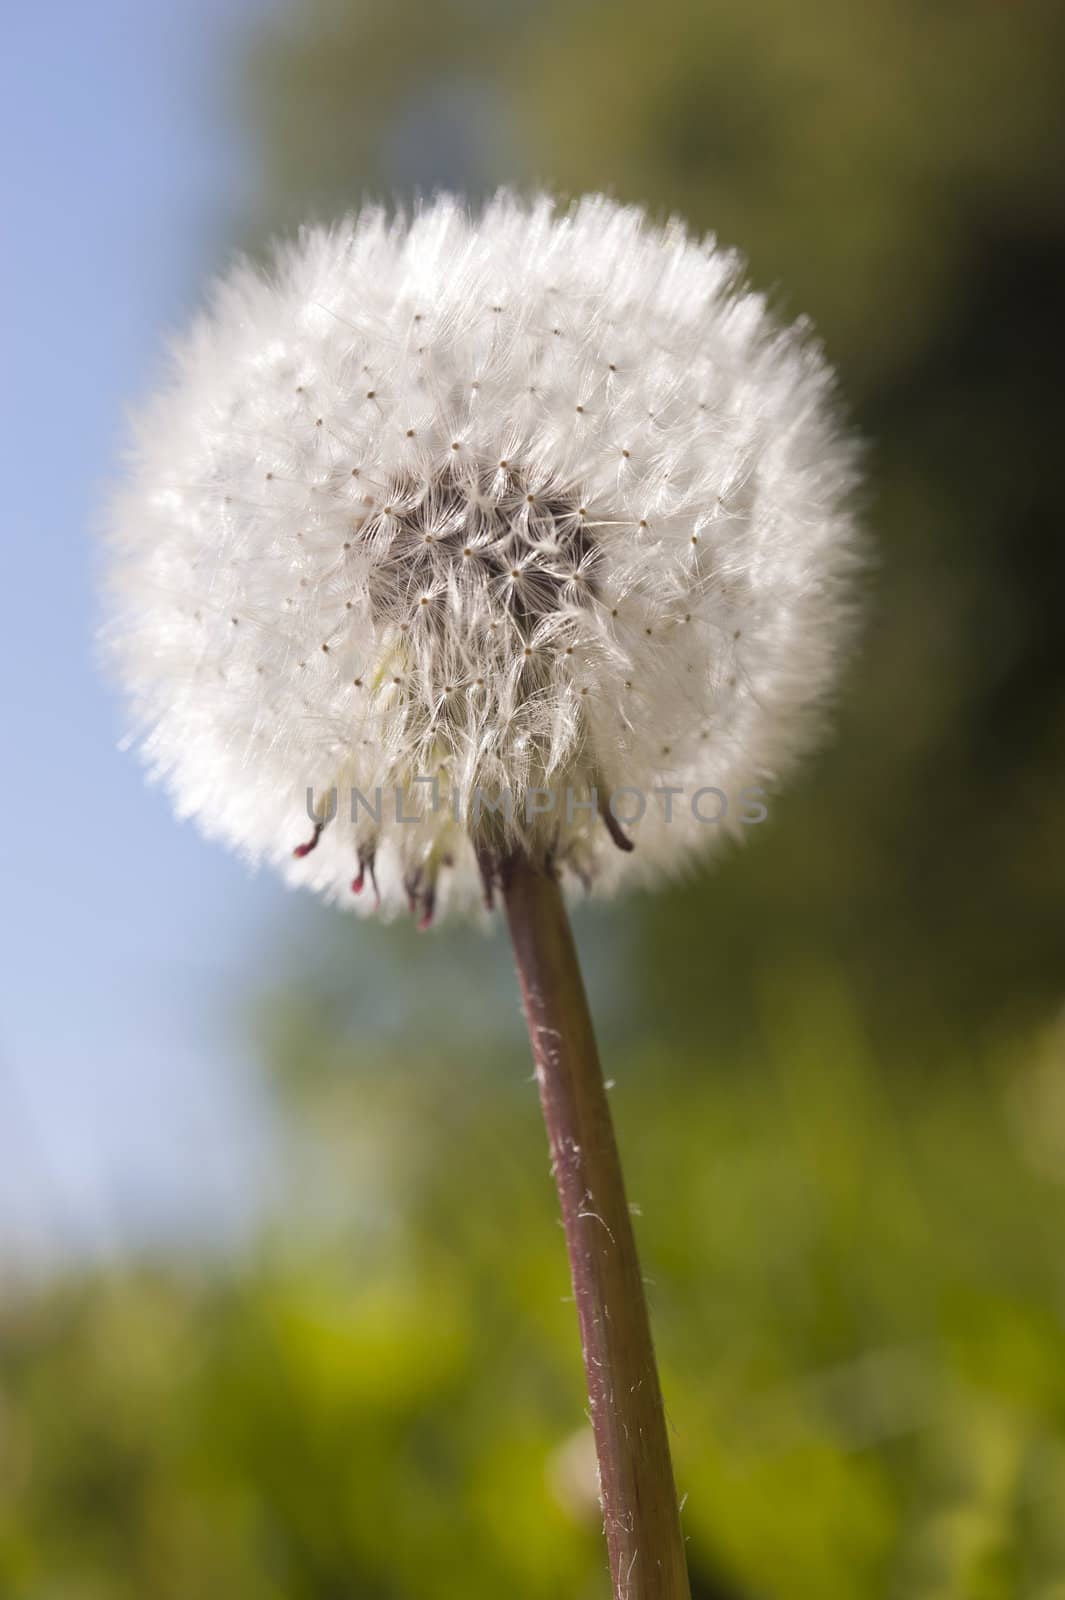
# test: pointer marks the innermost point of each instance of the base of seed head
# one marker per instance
(421, 885)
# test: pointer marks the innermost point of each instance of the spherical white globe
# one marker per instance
(468, 524)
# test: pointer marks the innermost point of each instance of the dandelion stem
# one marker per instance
(640, 1513)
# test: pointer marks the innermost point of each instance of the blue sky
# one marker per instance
(124, 1096)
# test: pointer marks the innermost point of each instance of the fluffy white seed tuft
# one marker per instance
(531, 504)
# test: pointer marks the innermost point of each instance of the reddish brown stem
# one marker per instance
(640, 1512)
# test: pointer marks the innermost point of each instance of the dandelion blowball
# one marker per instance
(489, 531)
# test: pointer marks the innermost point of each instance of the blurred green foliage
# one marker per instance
(839, 1093)
(858, 1299)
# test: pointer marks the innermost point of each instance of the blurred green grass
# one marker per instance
(858, 1296)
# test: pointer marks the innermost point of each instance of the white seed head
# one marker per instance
(533, 503)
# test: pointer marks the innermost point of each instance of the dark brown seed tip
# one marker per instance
(613, 827)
